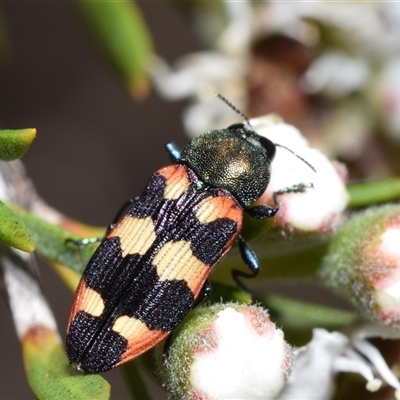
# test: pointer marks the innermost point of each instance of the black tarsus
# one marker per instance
(251, 261)
(260, 212)
(264, 211)
(78, 243)
(204, 294)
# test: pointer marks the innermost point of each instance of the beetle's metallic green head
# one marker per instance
(236, 159)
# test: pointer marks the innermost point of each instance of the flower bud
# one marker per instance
(317, 209)
(363, 263)
(228, 351)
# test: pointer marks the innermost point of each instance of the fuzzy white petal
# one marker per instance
(360, 343)
(318, 208)
(245, 365)
(312, 376)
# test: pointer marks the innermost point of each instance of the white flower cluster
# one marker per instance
(364, 61)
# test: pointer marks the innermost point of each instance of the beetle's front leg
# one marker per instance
(264, 211)
(122, 211)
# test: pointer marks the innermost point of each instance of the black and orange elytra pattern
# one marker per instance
(204, 221)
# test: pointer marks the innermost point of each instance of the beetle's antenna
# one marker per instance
(300, 158)
(229, 104)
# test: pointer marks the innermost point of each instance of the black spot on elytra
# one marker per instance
(95, 347)
(130, 286)
(150, 201)
(176, 219)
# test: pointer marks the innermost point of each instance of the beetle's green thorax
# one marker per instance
(231, 159)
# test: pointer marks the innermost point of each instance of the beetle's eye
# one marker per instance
(236, 126)
(268, 146)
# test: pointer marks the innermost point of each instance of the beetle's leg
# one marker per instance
(251, 261)
(77, 243)
(173, 151)
(204, 294)
(264, 211)
(261, 212)
(122, 211)
(89, 241)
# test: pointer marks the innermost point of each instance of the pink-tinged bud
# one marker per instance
(363, 263)
(317, 209)
(228, 351)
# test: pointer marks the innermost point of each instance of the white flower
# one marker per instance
(372, 354)
(360, 46)
(387, 97)
(201, 75)
(317, 364)
(318, 209)
(336, 74)
(313, 370)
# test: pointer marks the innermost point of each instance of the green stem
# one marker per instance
(368, 193)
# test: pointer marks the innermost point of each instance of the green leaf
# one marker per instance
(12, 230)
(298, 318)
(368, 193)
(294, 313)
(14, 143)
(49, 374)
(53, 242)
(120, 32)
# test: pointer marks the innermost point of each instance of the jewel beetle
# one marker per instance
(154, 261)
